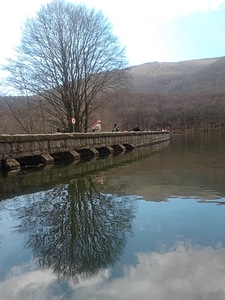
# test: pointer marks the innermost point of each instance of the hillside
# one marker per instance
(204, 75)
(186, 95)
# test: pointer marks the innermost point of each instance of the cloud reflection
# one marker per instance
(31, 285)
(186, 273)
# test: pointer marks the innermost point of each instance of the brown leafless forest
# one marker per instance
(186, 95)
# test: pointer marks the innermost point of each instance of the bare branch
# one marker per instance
(68, 55)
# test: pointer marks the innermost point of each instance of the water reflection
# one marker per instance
(191, 167)
(181, 273)
(185, 272)
(27, 181)
(145, 225)
(75, 229)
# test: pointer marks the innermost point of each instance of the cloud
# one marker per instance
(138, 24)
(169, 9)
(145, 27)
(185, 272)
(160, 9)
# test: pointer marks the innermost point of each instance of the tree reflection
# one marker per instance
(75, 229)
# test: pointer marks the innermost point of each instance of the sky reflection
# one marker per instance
(149, 229)
(184, 272)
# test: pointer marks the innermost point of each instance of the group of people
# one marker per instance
(96, 127)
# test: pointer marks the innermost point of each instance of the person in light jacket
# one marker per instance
(96, 127)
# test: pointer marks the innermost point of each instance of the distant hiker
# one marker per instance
(115, 128)
(61, 130)
(96, 127)
(136, 128)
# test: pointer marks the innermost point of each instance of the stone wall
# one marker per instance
(44, 145)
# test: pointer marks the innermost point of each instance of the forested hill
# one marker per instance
(186, 95)
(194, 76)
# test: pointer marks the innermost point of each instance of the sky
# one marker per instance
(151, 30)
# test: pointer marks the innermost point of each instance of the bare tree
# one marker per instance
(69, 56)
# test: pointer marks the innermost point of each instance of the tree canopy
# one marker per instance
(69, 57)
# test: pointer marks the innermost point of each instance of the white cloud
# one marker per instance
(160, 9)
(174, 8)
(136, 23)
(142, 26)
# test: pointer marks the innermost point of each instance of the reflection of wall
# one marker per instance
(186, 166)
(25, 182)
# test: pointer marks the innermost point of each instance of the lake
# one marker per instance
(148, 224)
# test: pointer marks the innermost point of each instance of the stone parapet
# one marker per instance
(20, 146)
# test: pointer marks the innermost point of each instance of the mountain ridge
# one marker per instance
(191, 76)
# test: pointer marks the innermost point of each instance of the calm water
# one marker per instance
(144, 225)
